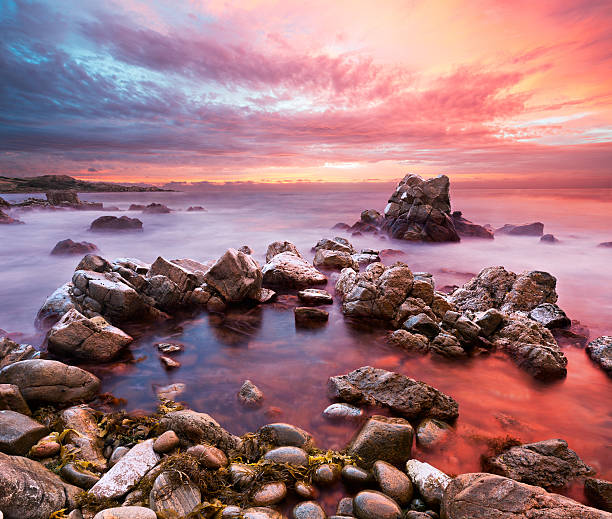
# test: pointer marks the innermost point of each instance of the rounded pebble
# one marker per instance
(289, 455)
(370, 504)
(269, 494)
(166, 442)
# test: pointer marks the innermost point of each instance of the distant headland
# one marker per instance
(44, 183)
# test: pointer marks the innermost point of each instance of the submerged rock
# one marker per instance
(307, 316)
(292, 271)
(431, 432)
(68, 246)
(600, 351)
(488, 496)
(250, 395)
(403, 395)
(549, 239)
(342, 411)
(469, 229)
(114, 223)
(5, 219)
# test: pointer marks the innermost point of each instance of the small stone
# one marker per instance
(166, 442)
(47, 447)
(429, 481)
(126, 512)
(117, 454)
(345, 506)
(209, 456)
(169, 347)
(231, 512)
(342, 411)
(250, 395)
(241, 475)
(326, 475)
(169, 363)
(269, 494)
(308, 510)
(307, 316)
(284, 434)
(262, 512)
(315, 296)
(489, 321)
(413, 514)
(418, 505)
(352, 475)
(393, 482)
(174, 495)
(305, 490)
(422, 324)
(370, 504)
(19, 432)
(78, 476)
(431, 432)
(11, 399)
(289, 455)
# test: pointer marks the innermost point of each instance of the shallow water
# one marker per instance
(292, 366)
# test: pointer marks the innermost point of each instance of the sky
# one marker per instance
(491, 93)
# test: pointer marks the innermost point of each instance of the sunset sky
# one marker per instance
(489, 92)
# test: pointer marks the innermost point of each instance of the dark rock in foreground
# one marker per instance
(600, 351)
(469, 229)
(403, 395)
(113, 223)
(68, 246)
(487, 496)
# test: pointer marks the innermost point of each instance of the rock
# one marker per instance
(241, 475)
(12, 399)
(308, 510)
(117, 454)
(196, 208)
(412, 514)
(171, 391)
(307, 316)
(169, 347)
(336, 244)
(262, 512)
(289, 455)
(47, 447)
(246, 249)
(84, 435)
(469, 229)
(345, 507)
(418, 505)
(292, 271)
(126, 512)
(305, 490)
(429, 481)
(231, 512)
(50, 381)
(430, 432)
(196, 428)
(166, 442)
(209, 456)
(250, 395)
(489, 321)
(549, 239)
(127, 472)
(341, 226)
(382, 438)
(184, 278)
(423, 325)
(174, 495)
(95, 263)
(315, 296)
(403, 395)
(447, 346)
(63, 198)
(342, 412)
(550, 315)
(355, 476)
(412, 343)
(79, 476)
(334, 259)
(56, 305)
(393, 482)
(369, 504)
(18, 433)
(68, 246)
(281, 246)
(114, 223)
(154, 208)
(284, 434)
(236, 276)
(599, 492)
(488, 496)
(605, 244)
(269, 494)
(364, 258)
(419, 210)
(5, 219)
(76, 336)
(169, 362)
(326, 474)
(11, 352)
(528, 229)
(600, 351)
(548, 464)
(30, 491)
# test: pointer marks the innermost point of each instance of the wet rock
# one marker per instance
(465, 227)
(419, 210)
(62, 198)
(250, 395)
(66, 247)
(241, 475)
(600, 351)
(528, 229)
(355, 476)
(489, 321)
(289, 455)
(308, 510)
(550, 315)
(171, 391)
(12, 399)
(5, 219)
(30, 491)
(117, 454)
(410, 342)
(46, 447)
(393, 482)
(50, 381)
(548, 464)
(413, 514)
(79, 476)
(423, 325)
(599, 492)
(345, 507)
(307, 316)
(209, 456)
(370, 504)
(196, 208)
(549, 239)
(84, 435)
(127, 472)
(403, 395)
(336, 244)
(447, 346)
(173, 495)
(284, 434)
(488, 496)
(114, 223)
(169, 362)
(231, 512)
(429, 481)
(269, 494)
(326, 474)
(365, 257)
(292, 271)
(262, 512)
(76, 336)
(126, 512)
(305, 490)
(281, 246)
(18, 433)
(154, 208)
(236, 276)
(342, 412)
(94, 263)
(11, 352)
(315, 296)
(382, 438)
(334, 259)
(431, 432)
(198, 428)
(418, 505)
(166, 442)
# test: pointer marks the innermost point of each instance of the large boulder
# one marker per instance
(114, 223)
(50, 381)
(76, 336)
(18, 433)
(287, 269)
(488, 496)
(600, 351)
(549, 464)
(469, 229)
(30, 491)
(419, 210)
(236, 276)
(67, 247)
(401, 394)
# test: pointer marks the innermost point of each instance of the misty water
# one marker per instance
(292, 366)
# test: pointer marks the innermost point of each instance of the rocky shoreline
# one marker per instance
(64, 451)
